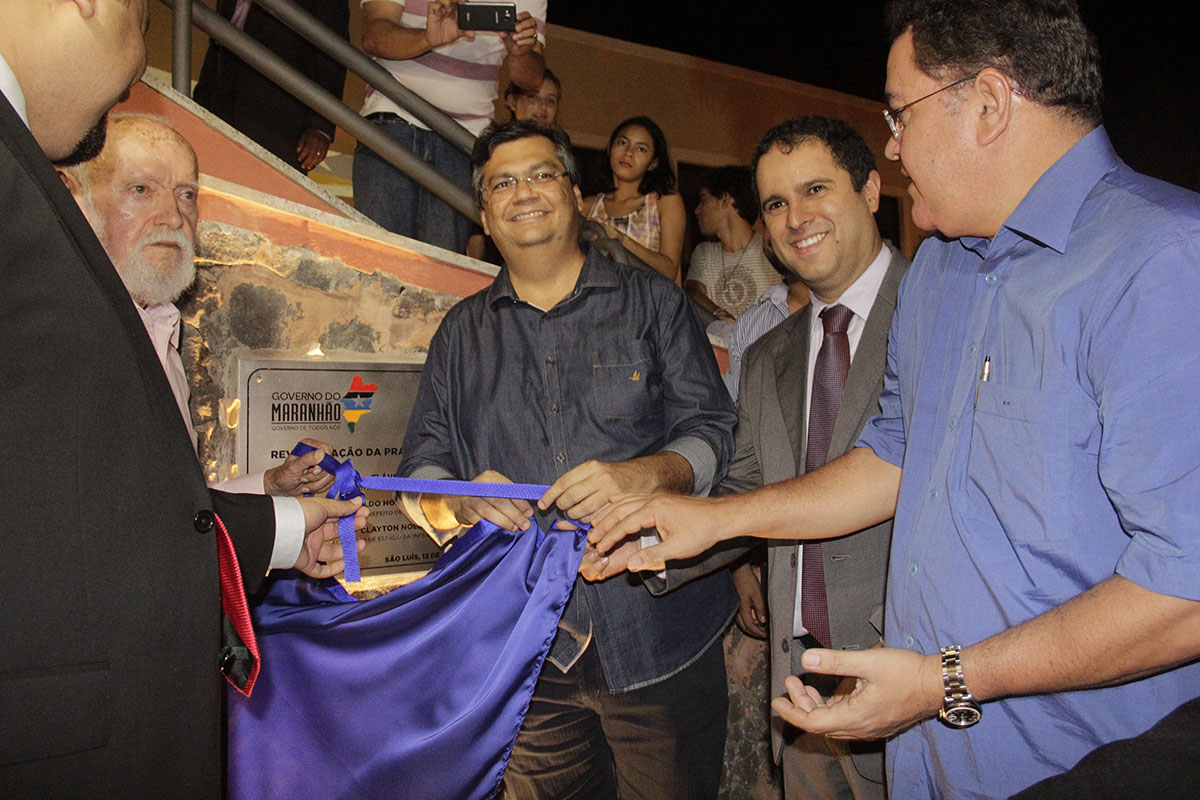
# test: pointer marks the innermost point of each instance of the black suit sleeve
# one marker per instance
(250, 520)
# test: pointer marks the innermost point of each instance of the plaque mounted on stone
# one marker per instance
(362, 409)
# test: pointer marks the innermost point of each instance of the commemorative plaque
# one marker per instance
(362, 409)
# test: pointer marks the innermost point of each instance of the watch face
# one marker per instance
(961, 716)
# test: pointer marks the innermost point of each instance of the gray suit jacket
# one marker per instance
(770, 448)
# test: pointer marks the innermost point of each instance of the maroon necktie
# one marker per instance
(829, 378)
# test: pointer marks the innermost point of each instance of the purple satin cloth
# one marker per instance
(415, 694)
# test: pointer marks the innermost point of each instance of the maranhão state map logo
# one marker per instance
(357, 401)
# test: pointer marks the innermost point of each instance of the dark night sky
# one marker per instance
(1150, 65)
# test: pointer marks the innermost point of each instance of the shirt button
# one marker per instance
(991, 279)
(912, 570)
(549, 359)
(554, 408)
(953, 423)
(204, 521)
(908, 642)
(972, 350)
(934, 494)
(560, 458)
(785, 645)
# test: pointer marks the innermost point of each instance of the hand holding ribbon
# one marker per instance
(348, 484)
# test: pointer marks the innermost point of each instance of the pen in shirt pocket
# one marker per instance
(984, 374)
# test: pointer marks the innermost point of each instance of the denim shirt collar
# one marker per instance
(597, 272)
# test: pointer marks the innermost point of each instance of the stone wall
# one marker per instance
(749, 773)
(255, 296)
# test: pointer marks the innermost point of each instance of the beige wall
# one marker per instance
(712, 113)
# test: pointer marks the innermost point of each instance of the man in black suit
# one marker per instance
(254, 104)
(109, 679)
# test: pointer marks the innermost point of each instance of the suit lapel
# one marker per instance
(791, 375)
(861, 395)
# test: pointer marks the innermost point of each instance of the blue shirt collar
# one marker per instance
(1047, 212)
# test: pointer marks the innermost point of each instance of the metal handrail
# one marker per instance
(181, 48)
(308, 92)
(370, 71)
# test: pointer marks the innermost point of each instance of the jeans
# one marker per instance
(665, 741)
(400, 204)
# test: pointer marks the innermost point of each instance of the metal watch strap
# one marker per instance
(952, 674)
(959, 707)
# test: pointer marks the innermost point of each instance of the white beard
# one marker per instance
(148, 285)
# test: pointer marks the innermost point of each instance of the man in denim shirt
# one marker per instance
(596, 378)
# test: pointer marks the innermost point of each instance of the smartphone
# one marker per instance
(487, 16)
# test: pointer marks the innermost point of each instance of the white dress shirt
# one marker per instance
(859, 298)
(12, 91)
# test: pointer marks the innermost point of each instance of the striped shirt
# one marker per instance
(462, 79)
(770, 310)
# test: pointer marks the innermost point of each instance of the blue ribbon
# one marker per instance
(348, 484)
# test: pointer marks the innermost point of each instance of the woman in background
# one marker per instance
(640, 208)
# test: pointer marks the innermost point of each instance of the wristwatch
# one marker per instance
(959, 709)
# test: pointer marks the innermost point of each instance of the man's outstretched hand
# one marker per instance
(893, 690)
(688, 527)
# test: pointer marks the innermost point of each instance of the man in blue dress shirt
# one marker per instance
(1039, 441)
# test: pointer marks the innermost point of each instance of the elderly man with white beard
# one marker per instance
(139, 195)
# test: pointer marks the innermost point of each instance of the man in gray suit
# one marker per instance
(818, 191)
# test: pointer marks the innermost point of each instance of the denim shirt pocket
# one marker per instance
(624, 381)
(1016, 461)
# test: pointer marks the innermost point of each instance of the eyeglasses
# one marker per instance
(893, 115)
(549, 101)
(508, 184)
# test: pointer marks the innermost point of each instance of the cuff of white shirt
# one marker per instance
(411, 503)
(254, 483)
(289, 532)
(701, 457)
